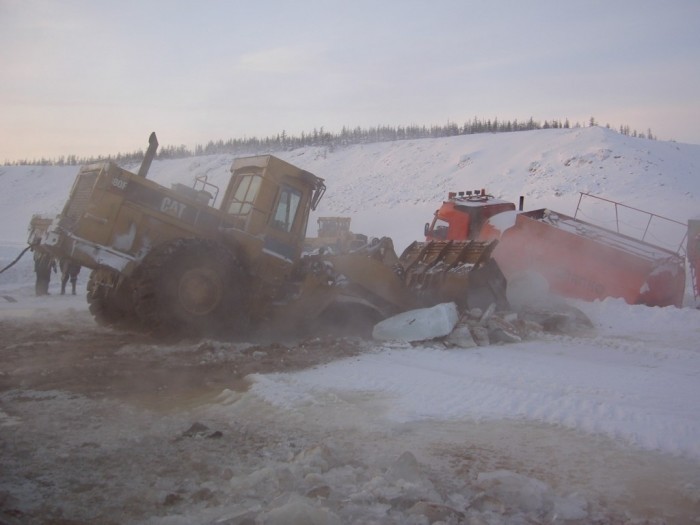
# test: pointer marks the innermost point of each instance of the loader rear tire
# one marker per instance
(110, 305)
(190, 287)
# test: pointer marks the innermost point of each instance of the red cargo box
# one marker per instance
(585, 261)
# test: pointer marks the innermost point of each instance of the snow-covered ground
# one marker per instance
(632, 385)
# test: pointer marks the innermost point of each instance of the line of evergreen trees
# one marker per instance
(321, 137)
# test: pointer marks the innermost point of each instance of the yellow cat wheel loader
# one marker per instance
(193, 260)
(334, 235)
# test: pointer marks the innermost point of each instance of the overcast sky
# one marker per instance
(90, 77)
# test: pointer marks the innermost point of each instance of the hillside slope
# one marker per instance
(392, 189)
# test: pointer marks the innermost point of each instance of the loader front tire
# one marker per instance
(191, 287)
(109, 299)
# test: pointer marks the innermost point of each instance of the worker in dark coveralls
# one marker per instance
(43, 264)
(69, 271)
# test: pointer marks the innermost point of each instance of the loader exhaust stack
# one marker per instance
(148, 157)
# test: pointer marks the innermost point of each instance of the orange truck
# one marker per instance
(577, 259)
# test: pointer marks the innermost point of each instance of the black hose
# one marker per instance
(17, 259)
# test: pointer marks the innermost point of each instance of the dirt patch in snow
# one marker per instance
(133, 367)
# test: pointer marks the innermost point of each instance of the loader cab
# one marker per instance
(268, 201)
(463, 215)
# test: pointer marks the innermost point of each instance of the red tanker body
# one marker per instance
(584, 261)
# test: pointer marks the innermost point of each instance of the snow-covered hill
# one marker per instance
(393, 188)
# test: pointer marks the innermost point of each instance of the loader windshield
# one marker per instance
(245, 195)
(286, 210)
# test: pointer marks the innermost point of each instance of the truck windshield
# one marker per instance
(440, 229)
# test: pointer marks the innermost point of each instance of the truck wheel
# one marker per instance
(190, 287)
(109, 304)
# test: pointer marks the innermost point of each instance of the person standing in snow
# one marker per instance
(43, 264)
(69, 270)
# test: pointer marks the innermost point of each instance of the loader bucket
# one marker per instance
(373, 283)
(486, 285)
(378, 280)
(459, 271)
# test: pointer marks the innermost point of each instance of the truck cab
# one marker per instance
(463, 216)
